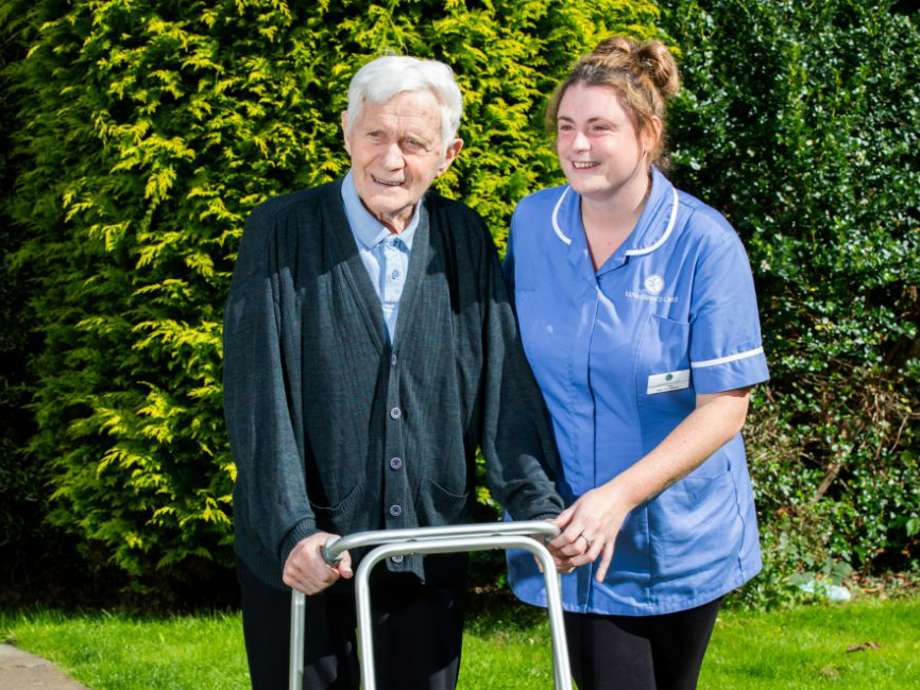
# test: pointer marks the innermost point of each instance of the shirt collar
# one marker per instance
(652, 230)
(368, 231)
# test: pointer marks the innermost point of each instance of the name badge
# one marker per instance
(669, 381)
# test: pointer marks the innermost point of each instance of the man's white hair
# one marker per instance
(381, 79)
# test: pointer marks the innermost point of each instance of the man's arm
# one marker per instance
(517, 440)
(261, 378)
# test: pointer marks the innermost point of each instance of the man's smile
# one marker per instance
(387, 183)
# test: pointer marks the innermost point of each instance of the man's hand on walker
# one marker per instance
(307, 572)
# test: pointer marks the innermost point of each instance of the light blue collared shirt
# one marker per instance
(384, 253)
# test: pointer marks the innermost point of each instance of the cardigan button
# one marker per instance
(395, 463)
(395, 510)
(395, 413)
(393, 360)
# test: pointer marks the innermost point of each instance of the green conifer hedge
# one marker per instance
(150, 131)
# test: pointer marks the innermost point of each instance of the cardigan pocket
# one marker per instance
(329, 518)
(443, 507)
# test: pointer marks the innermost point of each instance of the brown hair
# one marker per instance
(644, 76)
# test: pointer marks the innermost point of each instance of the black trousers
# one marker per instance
(418, 632)
(639, 652)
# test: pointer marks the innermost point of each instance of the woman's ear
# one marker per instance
(650, 136)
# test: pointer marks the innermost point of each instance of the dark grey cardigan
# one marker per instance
(333, 429)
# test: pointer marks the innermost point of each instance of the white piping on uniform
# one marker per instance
(667, 232)
(629, 252)
(725, 360)
(562, 237)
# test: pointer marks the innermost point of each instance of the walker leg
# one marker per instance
(298, 616)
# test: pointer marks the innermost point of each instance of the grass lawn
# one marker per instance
(119, 652)
(506, 648)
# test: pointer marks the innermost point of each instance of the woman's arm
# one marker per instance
(596, 517)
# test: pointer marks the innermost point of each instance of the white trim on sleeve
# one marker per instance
(725, 360)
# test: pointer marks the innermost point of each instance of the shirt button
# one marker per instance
(395, 413)
(394, 275)
(396, 559)
(393, 360)
(395, 463)
(395, 510)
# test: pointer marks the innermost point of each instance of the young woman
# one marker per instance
(639, 318)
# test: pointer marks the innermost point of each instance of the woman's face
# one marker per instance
(599, 149)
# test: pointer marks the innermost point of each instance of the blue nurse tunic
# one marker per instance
(620, 354)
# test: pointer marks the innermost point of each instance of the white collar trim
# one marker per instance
(667, 230)
(559, 233)
(629, 252)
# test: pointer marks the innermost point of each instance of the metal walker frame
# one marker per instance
(525, 535)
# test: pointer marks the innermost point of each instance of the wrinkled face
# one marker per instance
(396, 153)
(599, 149)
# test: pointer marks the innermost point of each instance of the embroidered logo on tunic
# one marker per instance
(654, 284)
(651, 292)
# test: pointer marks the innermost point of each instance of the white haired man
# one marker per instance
(370, 348)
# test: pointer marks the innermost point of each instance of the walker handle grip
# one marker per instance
(330, 555)
(335, 546)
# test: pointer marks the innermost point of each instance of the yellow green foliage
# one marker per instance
(150, 130)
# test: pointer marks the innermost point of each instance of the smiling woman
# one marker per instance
(604, 157)
(645, 342)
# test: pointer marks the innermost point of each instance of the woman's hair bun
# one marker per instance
(651, 59)
(658, 63)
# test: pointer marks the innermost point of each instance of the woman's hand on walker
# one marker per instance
(589, 529)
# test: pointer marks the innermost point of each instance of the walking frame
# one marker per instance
(525, 535)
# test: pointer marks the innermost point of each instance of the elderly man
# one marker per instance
(370, 348)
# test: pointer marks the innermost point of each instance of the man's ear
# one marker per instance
(345, 131)
(450, 155)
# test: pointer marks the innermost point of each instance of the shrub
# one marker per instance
(24, 540)
(150, 130)
(800, 122)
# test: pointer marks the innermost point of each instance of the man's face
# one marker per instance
(396, 153)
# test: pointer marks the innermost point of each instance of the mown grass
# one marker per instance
(109, 651)
(506, 648)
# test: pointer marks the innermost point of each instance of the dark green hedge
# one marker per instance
(149, 130)
(21, 477)
(800, 121)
